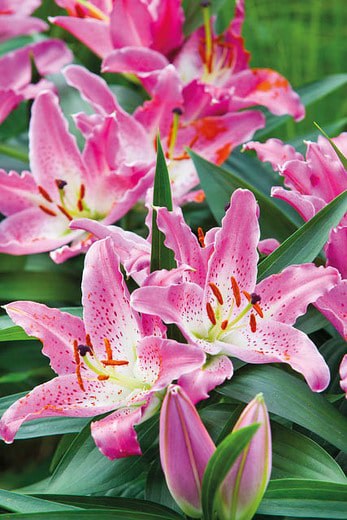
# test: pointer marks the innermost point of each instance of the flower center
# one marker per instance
(78, 209)
(85, 9)
(105, 369)
(221, 322)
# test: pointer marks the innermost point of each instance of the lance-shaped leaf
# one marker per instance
(161, 256)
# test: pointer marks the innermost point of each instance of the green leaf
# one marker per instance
(40, 286)
(123, 513)
(295, 455)
(106, 502)
(25, 504)
(305, 244)
(305, 499)
(161, 256)
(309, 94)
(289, 397)
(83, 469)
(220, 464)
(218, 185)
(312, 321)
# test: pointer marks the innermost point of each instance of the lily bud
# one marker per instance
(245, 484)
(185, 449)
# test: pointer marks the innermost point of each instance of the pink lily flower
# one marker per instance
(343, 374)
(220, 64)
(15, 19)
(185, 449)
(225, 311)
(103, 183)
(245, 484)
(179, 120)
(16, 72)
(311, 183)
(105, 25)
(113, 359)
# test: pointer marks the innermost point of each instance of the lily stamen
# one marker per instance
(78, 365)
(216, 292)
(210, 313)
(44, 194)
(47, 210)
(236, 291)
(201, 237)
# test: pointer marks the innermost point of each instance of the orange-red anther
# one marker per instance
(82, 191)
(224, 324)
(64, 212)
(256, 306)
(216, 292)
(108, 348)
(44, 194)
(236, 291)
(253, 322)
(258, 310)
(103, 377)
(47, 210)
(210, 313)
(201, 237)
(114, 362)
(78, 365)
(88, 340)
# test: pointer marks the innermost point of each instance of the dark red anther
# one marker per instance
(64, 212)
(78, 365)
(216, 292)
(47, 210)
(201, 237)
(45, 194)
(210, 313)
(253, 322)
(236, 291)
(224, 324)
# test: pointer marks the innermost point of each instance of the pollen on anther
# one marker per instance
(45, 194)
(210, 313)
(47, 210)
(216, 292)
(102, 377)
(114, 362)
(253, 322)
(201, 237)
(78, 365)
(108, 348)
(224, 324)
(236, 291)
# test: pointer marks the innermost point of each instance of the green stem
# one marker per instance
(10, 151)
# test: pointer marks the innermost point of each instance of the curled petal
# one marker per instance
(343, 374)
(199, 383)
(275, 342)
(115, 435)
(333, 306)
(62, 396)
(274, 151)
(285, 296)
(55, 329)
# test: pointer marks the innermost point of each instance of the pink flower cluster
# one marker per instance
(118, 358)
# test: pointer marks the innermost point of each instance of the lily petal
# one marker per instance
(333, 306)
(115, 435)
(105, 298)
(199, 383)
(276, 342)
(62, 396)
(235, 251)
(55, 329)
(285, 296)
